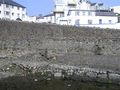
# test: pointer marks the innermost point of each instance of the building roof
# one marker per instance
(93, 4)
(11, 2)
(100, 4)
(49, 15)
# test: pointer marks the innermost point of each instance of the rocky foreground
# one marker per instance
(35, 63)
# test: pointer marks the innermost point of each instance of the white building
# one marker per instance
(31, 19)
(116, 9)
(49, 18)
(12, 10)
(84, 13)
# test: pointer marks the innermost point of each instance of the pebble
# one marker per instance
(8, 68)
(35, 80)
(48, 79)
(10, 65)
(69, 85)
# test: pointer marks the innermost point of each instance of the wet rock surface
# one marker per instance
(43, 82)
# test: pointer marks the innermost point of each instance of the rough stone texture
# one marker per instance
(38, 45)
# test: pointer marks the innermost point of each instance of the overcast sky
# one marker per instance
(35, 7)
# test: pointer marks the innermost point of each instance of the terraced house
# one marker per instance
(84, 13)
(11, 10)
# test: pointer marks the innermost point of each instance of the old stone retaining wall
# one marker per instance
(31, 43)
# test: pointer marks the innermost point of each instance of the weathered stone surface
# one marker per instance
(28, 48)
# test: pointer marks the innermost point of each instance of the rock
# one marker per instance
(35, 80)
(58, 74)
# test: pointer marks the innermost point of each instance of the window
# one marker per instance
(89, 21)
(51, 17)
(83, 13)
(23, 15)
(12, 6)
(69, 13)
(18, 8)
(77, 22)
(100, 21)
(7, 6)
(23, 9)
(18, 15)
(7, 13)
(77, 13)
(61, 14)
(110, 21)
(69, 21)
(72, 6)
(89, 13)
(12, 14)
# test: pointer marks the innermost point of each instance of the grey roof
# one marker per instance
(11, 2)
(93, 4)
(103, 13)
(49, 15)
(100, 4)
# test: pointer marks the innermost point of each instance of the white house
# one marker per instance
(84, 13)
(49, 18)
(12, 10)
(116, 9)
(31, 19)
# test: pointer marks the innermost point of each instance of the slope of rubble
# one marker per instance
(30, 47)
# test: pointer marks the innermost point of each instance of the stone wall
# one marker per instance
(33, 45)
(16, 36)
